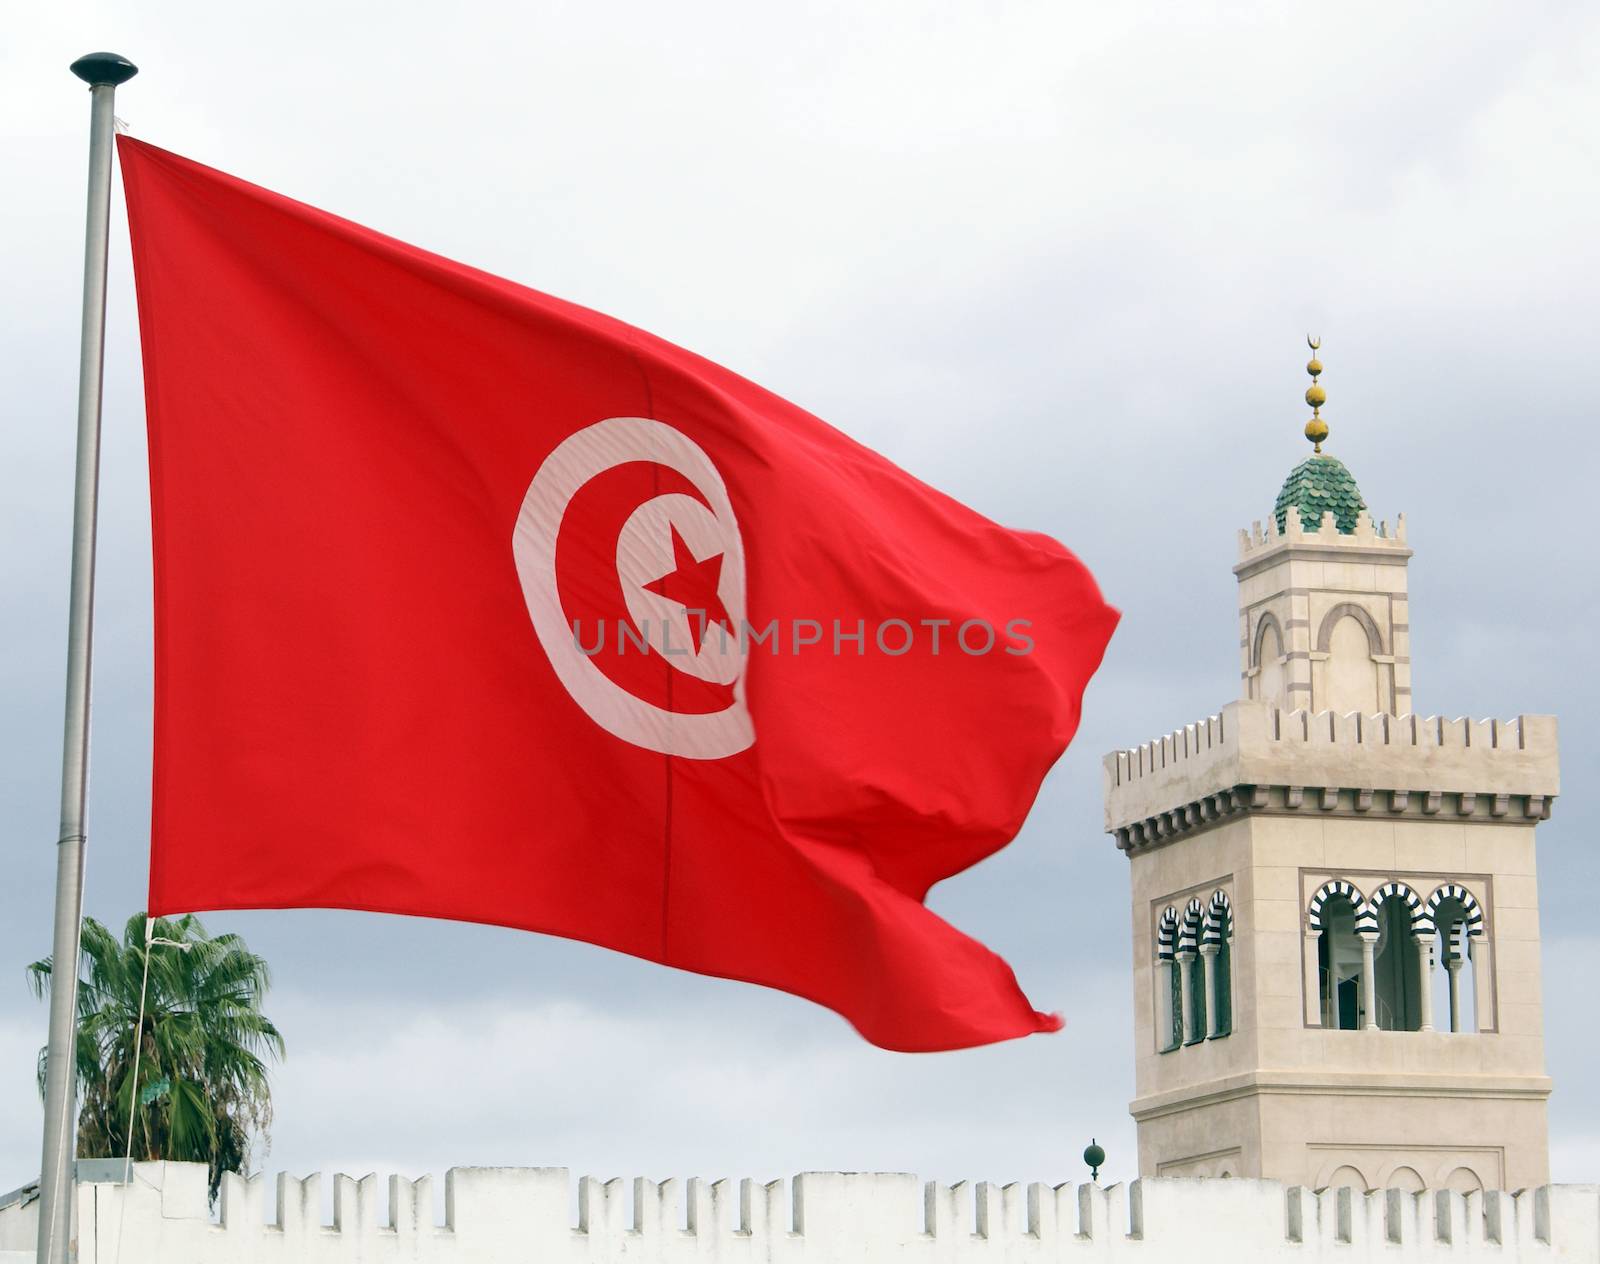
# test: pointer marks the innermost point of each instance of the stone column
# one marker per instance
(1452, 967)
(1311, 982)
(1164, 1032)
(1480, 952)
(1208, 968)
(1185, 965)
(1369, 981)
(1425, 971)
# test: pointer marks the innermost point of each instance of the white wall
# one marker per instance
(524, 1214)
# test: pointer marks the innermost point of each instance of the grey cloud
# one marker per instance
(1055, 259)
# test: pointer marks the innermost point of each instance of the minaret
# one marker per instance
(1349, 647)
(1335, 912)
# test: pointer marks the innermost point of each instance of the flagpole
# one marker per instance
(102, 72)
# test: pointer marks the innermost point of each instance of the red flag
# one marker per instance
(472, 603)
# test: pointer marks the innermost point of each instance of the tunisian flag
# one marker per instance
(472, 603)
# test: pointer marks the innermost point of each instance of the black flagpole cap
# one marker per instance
(102, 69)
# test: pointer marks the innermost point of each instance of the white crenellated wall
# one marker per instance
(501, 1215)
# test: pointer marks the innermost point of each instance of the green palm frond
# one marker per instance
(203, 1046)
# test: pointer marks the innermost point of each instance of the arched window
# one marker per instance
(1399, 964)
(1332, 917)
(1349, 1177)
(1349, 680)
(1216, 952)
(1268, 681)
(1456, 913)
(1169, 988)
(1194, 983)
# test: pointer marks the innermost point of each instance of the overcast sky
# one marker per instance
(1056, 259)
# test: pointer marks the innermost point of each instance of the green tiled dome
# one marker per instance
(1315, 486)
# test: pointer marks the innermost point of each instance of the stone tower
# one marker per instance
(1335, 914)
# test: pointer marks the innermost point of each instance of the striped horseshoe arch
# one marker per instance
(1418, 916)
(1339, 887)
(1167, 935)
(1219, 919)
(1471, 911)
(1194, 915)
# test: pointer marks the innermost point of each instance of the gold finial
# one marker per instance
(1316, 428)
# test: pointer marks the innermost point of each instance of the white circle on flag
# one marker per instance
(644, 554)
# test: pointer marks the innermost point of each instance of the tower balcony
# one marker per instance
(1255, 756)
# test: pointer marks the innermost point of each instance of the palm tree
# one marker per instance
(202, 1092)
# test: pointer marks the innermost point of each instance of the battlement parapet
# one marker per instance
(1262, 544)
(1254, 755)
(500, 1215)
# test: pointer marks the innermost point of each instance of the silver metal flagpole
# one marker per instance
(102, 72)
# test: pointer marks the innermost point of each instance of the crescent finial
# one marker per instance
(1314, 343)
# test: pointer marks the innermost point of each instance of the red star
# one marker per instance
(693, 585)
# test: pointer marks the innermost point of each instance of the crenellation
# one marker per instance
(1450, 1224)
(986, 1219)
(1488, 767)
(1396, 1222)
(243, 1202)
(942, 1209)
(1160, 753)
(1494, 1205)
(1336, 1217)
(1102, 1213)
(826, 1217)
(704, 1206)
(761, 1208)
(1263, 537)
(1533, 1216)
(411, 1207)
(1299, 1210)
(355, 1204)
(655, 1204)
(299, 1212)
(602, 1207)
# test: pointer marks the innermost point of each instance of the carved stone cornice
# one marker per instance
(1211, 810)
